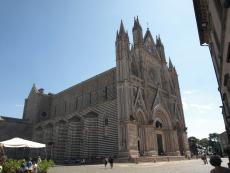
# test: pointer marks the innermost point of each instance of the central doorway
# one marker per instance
(139, 148)
(160, 144)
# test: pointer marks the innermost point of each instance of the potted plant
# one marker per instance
(44, 165)
(11, 166)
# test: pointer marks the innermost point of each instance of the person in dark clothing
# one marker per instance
(106, 161)
(204, 158)
(215, 161)
(111, 162)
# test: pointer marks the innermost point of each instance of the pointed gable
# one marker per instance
(149, 42)
(139, 101)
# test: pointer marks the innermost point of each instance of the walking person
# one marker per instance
(106, 161)
(111, 162)
(83, 161)
(204, 158)
(215, 161)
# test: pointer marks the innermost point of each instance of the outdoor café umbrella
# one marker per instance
(19, 142)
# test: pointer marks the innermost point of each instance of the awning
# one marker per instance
(19, 143)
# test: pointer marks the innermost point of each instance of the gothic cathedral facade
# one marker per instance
(131, 110)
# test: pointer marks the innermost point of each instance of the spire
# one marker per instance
(122, 34)
(160, 48)
(137, 32)
(170, 63)
(158, 40)
(34, 89)
(122, 29)
(137, 24)
(122, 42)
(117, 35)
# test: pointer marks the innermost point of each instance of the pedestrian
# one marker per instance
(34, 167)
(204, 158)
(106, 161)
(111, 162)
(215, 161)
(83, 161)
(39, 160)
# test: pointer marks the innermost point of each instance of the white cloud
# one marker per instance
(202, 112)
(202, 108)
(198, 107)
(189, 92)
(19, 105)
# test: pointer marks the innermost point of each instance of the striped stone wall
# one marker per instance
(90, 134)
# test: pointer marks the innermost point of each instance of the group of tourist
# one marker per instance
(109, 160)
(29, 165)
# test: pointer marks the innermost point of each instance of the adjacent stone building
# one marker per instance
(213, 23)
(223, 140)
(131, 110)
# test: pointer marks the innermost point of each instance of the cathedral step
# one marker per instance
(151, 159)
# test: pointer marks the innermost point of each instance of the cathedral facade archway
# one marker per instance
(165, 138)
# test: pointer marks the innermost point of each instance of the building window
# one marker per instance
(106, 93)
(216, 40)
(76, 103)
(65, 106)
(228, 53)
(106, 121)
(158, 124)
(90, 98)
(226, 79)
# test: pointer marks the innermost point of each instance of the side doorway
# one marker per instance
(160, 144)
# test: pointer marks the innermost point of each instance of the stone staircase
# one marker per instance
(150, 159)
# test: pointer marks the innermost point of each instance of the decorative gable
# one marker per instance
(139, 101)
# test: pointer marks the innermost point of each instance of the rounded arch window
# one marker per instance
(106, 121)
(158, 124)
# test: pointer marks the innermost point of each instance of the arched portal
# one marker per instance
(162, 130)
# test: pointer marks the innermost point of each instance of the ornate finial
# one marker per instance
(147, 25)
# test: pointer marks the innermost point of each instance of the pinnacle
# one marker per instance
(158, 40)
(170, 63)
(136, 24)
(122, 29)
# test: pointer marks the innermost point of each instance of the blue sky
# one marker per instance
(58, 43)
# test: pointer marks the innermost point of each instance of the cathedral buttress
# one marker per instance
(123, 74)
